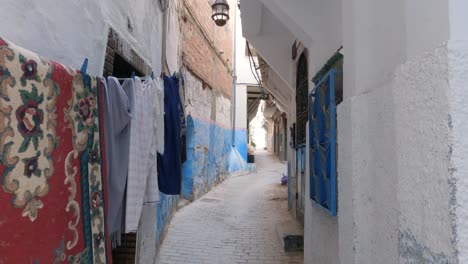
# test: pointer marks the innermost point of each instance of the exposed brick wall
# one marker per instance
(202, 11)
(202, 40)
(115, 44)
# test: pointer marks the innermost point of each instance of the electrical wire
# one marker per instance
(253, 69)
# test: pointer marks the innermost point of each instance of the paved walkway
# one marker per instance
(234, 223)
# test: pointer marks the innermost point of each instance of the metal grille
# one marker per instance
(302, 89)
(322, 127)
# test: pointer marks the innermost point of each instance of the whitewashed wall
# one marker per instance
(69, 31)
(241, 106)
(402, 153)
(458, 125)
(393, 125)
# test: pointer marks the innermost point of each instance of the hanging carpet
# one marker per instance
(52, 162)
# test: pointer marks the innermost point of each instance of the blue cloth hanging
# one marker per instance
(169, 164)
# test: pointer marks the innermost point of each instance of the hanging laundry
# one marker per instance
(182, 100)
(158, 105)
(142, 173)
(183, 123)
(155, 93)
(169, 164)
(53, 194)
(119, 110)
(146, 235)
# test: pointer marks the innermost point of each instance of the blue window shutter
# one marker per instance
(322, 138)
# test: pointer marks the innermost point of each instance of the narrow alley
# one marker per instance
(236, 222)
(234, 132)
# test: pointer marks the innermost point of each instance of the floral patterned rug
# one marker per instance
(51, 162)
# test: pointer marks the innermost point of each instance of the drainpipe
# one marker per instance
(234, 78)
(165, 10)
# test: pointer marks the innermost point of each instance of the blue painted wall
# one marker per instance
(210, 156)
(166, 207)
(241, 142)
(210, 159)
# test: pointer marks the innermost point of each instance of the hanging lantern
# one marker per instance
(220, 12)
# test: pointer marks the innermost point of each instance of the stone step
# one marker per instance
(291, 235)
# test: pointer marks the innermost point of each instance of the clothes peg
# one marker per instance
(133, 75)
(152, 75)
(84, 67)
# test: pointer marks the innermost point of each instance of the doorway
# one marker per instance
(302, 90)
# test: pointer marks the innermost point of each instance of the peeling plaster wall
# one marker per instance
(423, 153)
(394, 183)
(210, 155)
(197, 97)
(223, 112)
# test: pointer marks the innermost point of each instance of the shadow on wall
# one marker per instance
(211, 156)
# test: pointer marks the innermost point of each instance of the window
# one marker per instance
(123, 69)
(302, 89)
(323, 100)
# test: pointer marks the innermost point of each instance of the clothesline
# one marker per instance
(123, 79)
(84, 67)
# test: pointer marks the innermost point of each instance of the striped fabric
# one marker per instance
(141, 172)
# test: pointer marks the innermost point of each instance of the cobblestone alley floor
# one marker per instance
(234, 223)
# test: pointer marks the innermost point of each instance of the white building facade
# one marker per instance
(401, 154)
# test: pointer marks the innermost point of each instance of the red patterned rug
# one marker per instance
(52, 163)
